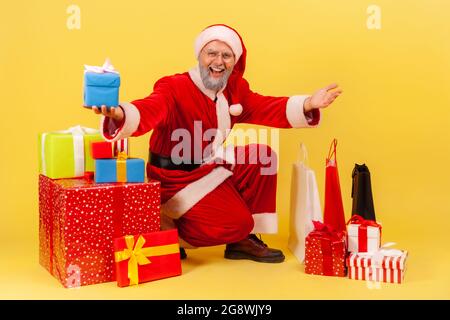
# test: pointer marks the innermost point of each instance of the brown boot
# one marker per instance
(254, 249)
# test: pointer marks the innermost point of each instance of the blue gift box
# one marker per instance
(101, 89)
(114, 170)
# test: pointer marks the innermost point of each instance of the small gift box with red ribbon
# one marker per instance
(120, 169)
(382, 265)
(107, 150)
(78, 221)
(147, 257)
(325, 251)
(363, 235)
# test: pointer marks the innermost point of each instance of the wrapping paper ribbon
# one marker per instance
(362, 230)
(137, 255)
(78, 133)
(107, 67)
(378, 256)
(121, 164)
(328, 238)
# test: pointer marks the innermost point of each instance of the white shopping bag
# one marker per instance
(305, 204)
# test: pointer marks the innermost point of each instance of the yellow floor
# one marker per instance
(207, 275)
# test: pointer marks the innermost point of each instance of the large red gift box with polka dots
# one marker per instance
(78, 221)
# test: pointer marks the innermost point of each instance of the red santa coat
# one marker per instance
(181, 101)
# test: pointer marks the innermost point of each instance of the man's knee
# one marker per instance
(200, 235)
(234, 231)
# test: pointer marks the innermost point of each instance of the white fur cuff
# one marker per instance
(132, 119)
(265, 223)
(294, 112)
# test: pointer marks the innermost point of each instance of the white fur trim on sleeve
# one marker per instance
(294, 112)
(187, 197)
(132, 119)
(265, 222)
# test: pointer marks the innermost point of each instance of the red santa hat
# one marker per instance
(222, 33)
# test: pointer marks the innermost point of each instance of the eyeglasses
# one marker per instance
(226, 56)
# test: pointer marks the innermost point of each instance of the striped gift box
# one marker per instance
(391, 269)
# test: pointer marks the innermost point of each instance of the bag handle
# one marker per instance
(332, 150)
(302, 153)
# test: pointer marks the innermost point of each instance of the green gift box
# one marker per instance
(66, 154)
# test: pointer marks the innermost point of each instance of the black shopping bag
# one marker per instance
(362, 193)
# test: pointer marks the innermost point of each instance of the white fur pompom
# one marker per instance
(235, 109)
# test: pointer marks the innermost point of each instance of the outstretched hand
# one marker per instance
(322, 98)
(115, 113)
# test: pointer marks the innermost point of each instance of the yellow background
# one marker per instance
(394, 116)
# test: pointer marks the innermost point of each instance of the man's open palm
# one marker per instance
(324, 97)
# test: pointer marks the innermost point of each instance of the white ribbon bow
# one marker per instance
(378, 255)
(79, 130)
(107, 67)
(78, 133)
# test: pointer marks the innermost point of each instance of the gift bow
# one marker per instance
(107, 67)
(79, 130)
(122, 155)
(138, 256)
(379, 255)
(326, 230)
(357, 219)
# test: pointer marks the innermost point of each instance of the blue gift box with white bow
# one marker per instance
(101, 86)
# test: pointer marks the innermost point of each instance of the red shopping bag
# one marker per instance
(333, 209)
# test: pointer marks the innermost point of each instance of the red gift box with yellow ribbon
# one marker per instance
(147, 257)
(325, 251)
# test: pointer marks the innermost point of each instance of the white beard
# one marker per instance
(211, 83)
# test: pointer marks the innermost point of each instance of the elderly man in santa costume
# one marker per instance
(211, 198)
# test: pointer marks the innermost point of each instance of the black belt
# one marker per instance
(167, 163)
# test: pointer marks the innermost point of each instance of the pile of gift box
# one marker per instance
(99, 219)
(356, 252)
(325, 242)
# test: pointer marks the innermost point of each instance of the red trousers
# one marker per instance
(238, 205)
